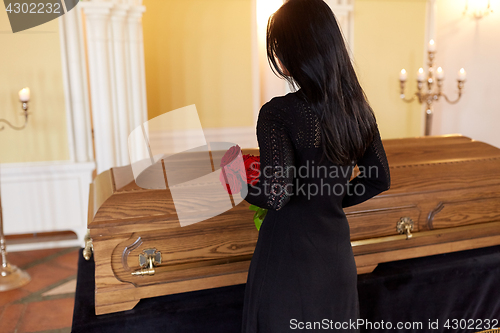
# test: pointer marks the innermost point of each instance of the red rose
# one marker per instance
(233, 161)
(237, 166)
(252, 168)
(231, 180)
(230, 155)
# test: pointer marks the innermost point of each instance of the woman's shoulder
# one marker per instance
(293, 114)
(284, 106)
(287, 101)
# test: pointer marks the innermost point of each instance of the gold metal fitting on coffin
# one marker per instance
(405, 226)
(89, 246)
(148, 260)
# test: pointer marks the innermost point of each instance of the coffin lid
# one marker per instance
(417, 165)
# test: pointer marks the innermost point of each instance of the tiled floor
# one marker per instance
(46, 303)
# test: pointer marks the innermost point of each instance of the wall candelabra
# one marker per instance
(24, 97)
(11, 276)
(429, 86)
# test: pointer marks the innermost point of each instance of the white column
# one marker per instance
(77, 105)
(120, 99)
(97, 16)
(142, 67)
(115, 57)
(344, 13)
(136, 68)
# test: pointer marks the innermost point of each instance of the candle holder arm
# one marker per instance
(460, 87)
(409, 100)
(17, 128)
(450, 101)
(24, 113)
(417, 95)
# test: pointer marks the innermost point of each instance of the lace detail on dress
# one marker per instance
(277, 156)
(285, 124)
(307, 126)
(286, 130)
(380, 151)
(317, 135)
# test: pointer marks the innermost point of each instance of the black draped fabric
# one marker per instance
(215, 310)
(461, 285)
(303, 268)
(453, 292)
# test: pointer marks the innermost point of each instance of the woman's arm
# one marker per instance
(374, 177)
(276, 157)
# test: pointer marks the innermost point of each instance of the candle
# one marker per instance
(440, 74)
(403, 75)
(432, 46)
(462, 75)
(24, 95)
(421, 75)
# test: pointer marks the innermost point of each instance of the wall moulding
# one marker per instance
(45, 197)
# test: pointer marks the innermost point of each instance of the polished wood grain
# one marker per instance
(113, 300)
(426, 141)
(377, 223)
(449, 186)
(457, 213)
(187, 254)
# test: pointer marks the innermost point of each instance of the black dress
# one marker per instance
(303, 273)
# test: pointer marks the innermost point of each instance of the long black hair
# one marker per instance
(305, 37)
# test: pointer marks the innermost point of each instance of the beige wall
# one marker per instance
(32, 58)
(199, 52)
(390, 35)
(473, 44)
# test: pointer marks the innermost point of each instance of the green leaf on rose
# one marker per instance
(258, 217)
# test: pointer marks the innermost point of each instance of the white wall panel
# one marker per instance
(39, 197)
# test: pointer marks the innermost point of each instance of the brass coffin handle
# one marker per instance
(405, 226)
(148, 260)
(89, 247)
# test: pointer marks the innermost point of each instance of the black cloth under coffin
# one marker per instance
(462, 285)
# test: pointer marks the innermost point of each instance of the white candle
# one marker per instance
(440, 74)
(421, 75)
(432, 46)
(403, 75)
(462, 75)
(24, 95)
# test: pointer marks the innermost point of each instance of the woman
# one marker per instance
(303, 273)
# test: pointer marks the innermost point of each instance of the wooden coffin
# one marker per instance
(444, 197)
